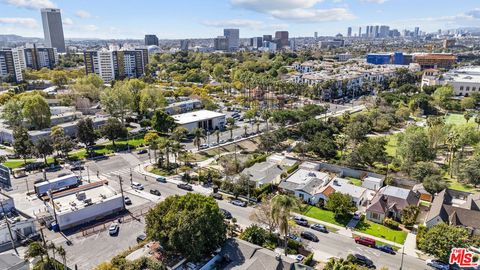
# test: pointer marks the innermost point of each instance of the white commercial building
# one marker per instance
(21, 224)
(207, 120)
(106, 69)
(80, 205)
(465, 80)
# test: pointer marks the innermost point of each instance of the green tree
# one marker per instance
(423, 169)
(434, 183)
(468, 103)
(61, 143)
(254, 234)
(12, 112)
(442, 96)
(282, 205)
(85, 132)
(367, 153)
(36, 111)
(194, 219)
(441, 238)
(323, 145)
(151, 99)
(414, 146)
(470, 171)
(60, 78)
(357, 131)
(114, 129)
(162, 122)
(341, 204)
(409, 215)
(117, 100)
(22, 144)
(179, 134)
(43, 148)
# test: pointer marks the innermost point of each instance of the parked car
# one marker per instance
(141, 237)
(363, 260)
(113, 229)
(53, 168)
(365, 241)
(217, 196)
(203, 146)
(357, 215)
(237, 138)
(222, 141)
(319, 227)
(141, 152)
(297, 257)
(309, 236)
(294, 237)
(226, 213)
(386, 249)
(300, 221)
(185, 187)
(161, 179)
(137, 186)
(62, 175)
(238, 203)
(437, 264)
(127, 201)
(155, 192)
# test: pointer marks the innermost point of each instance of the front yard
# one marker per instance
(325, 215)
(381, 231)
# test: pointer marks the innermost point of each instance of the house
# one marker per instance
(424, 194)
(456, 208)
(305, 183)
(358, 194)
(238, 254)
(372, 183)
(389, 202)
(268, 171)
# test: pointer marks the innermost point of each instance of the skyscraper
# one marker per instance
(267, 38)
(233, 37)
(359, 31)
(151, 40)
(220, 43)
(281, 37)
(315, 35)
(349, 32)
(417, 31)
(376, 31)
(53, 28)
(184, 44)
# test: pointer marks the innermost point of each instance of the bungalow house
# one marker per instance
(305, 183)
(389, 202)
(456, 208)
(359, 194)
(268, 171)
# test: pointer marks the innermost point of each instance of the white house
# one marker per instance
(205, 119)
(372, 183)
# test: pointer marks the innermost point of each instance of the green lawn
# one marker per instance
(325, 215)
(355, 181)
(454, 184)
(457, 119)
(392, 144)
(381, 231)
(162, 172)
(17, 163)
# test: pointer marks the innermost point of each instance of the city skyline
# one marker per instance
(109, 19)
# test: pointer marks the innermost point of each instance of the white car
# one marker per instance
(297, 257)
(113, 229)
(137, 186)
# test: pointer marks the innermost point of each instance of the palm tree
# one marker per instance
(258, 126)
(282, 205)
(61, 251)
(245, 127)
(217, 133)
(52, 247)
(477, 120)
(199, 134)
(35, 249)
(452, 144)
(265, 116)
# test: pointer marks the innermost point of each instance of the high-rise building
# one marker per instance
(38, 57)
(376, 31)
(371, 31)
(267, 38)
(384, 31)
(281, 38)
(220, 43)
(111, 65)
(184, 44)
(233, 37)
(349, 32)
(315, 35)
(151, 40)
(256, 42)
(360, 32)
(10, 66)
(53, 29)
(417, 31)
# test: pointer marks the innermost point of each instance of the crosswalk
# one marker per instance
(116, 173)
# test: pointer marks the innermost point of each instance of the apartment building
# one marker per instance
(10, 65)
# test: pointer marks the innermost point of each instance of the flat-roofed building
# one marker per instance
(21, 224)
(205, 119)
(81, 205)
(435, 60)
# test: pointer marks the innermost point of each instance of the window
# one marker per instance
(468, 88)
(461, 88)
(375, 216)
(473, 89)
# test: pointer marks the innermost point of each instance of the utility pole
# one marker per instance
(88, 174)
(131, 176)
(403, 252)
(8, 226)
(121, 190)
(26, 183)
(54, 210)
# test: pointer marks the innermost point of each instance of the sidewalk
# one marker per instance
(347, 232)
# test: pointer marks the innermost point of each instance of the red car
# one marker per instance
(365, 241)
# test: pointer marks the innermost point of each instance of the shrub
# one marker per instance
(391, 223)
(421, 231)
(293, 168)
(308, 260)
(292, 244)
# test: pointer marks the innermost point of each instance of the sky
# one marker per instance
(206, 18)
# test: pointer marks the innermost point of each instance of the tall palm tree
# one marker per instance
(266, 114)
(199, 134)
(35, 249)
(282, 205)
(61, 251)
(452, 144)
(217, 134)
(245, 128)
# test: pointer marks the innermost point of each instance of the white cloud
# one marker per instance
(374, 1)
(313, 15)
(31, 4)
(302, 11)
(83, 14)
(234, 23)
(24, 22)
(90, 27)
(67, 21)
(268, 5)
